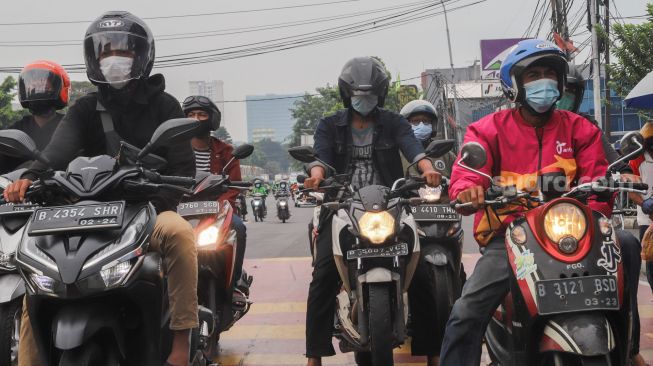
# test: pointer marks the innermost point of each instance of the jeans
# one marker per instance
(173, 237)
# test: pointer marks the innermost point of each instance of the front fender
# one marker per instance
(586, 334)
(11, 286)
(74, 324)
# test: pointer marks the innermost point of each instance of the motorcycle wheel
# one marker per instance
(380, 325)
(91, 354)
(561, 359)
(445, 292)
(283, 221)
(363, 358)
(255, 217)
(10, 315)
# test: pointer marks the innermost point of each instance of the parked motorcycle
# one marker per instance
(13, 219)
(376, 249)
(283, 211)
(567, 303)
(96, 296)
(217, 247)
(258, 206)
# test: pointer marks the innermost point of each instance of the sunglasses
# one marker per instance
(199, 99)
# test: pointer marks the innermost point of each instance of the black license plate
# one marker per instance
(198, 208)
(49, 220)
(577, 294)
(434, 212)
(13, 209)
(391, 251)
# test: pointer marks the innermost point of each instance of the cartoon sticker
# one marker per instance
(611, 256)
(525, 264)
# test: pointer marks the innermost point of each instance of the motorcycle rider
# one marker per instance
(129, 104)
(423, 117)
(350, 140)
(570, 100)
(259, 188)
(43, 88)
(533, 76)
(212, 155)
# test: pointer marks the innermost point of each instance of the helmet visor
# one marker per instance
(123, 44)
(38, 84)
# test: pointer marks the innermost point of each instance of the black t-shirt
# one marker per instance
(40, 135)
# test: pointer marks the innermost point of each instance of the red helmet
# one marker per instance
(44, 82)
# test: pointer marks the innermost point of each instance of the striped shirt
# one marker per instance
(202, 160)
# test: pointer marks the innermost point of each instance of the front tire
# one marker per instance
(10, 316)
(90, 354)
(380, 325)
(445, 290)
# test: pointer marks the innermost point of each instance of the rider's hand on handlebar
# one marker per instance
(317, 176)
(432, 177)
(473, 194)
(631, 178)
(15, 192)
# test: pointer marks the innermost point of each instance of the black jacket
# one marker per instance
(392, 132)
(40, 135)
(80, 133)
(610, 153)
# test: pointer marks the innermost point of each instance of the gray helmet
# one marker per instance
(419, 106)
(363, 75)
(203, 103)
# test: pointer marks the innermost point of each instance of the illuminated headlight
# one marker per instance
(256, 202)
(606, 226)
(208, 236)
(430, 194)
(376, 226)
(283, 203)
(44, 283)
(563, 223)
(114, 275)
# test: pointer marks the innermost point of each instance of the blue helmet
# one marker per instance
(524, 54)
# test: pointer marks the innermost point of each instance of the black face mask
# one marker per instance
(40, 107)
(204, 129)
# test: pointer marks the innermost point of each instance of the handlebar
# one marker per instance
(178, 181)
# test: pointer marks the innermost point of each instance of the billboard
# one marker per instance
(493, 52)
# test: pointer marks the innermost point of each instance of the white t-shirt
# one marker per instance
(646, 173)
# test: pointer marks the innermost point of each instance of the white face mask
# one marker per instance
(117, 70)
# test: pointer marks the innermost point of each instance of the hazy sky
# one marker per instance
(408, 49)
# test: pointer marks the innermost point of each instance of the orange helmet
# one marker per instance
(43, 85)
(647, 130)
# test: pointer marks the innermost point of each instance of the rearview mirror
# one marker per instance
(301, 179)
(18, 144)
(438, 148)
(170, 131)
(243, 151)
(473, 155)
(632, 143)
(305, 153)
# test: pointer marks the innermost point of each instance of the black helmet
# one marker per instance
(363, 76)
(118, 33)
(203, 103)
(574, 90)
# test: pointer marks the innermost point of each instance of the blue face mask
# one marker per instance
(541, 94)
(422, 131)
(364, 104)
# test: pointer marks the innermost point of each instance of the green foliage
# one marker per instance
(7, 94)
(224, 135)
(79, 89)
(270, 155)
(632, 47)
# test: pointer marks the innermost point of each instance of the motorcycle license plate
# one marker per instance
(12, 209)
(577, 294)
(434, 212)
(49, 220)
(391, 251)
(198, 208)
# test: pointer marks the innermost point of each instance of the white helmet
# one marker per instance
(419, 106)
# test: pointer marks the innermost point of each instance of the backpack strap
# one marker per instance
(112, 139)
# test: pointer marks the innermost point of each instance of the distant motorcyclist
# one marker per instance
(282, 189)
(43, 88)
(129, 105)
(260, 188)
(348, 141)
(212, 155)
(571, 100)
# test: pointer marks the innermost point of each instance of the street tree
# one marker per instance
(224, 135)
(79, 89)
(7, 95)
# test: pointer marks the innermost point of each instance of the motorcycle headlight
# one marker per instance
(208, 236)
(256, 202)
(114, 275)
(44, 283)
(565, 224)
(376, 226)
(430, 194)
(282, 203)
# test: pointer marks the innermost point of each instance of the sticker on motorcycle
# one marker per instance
(611, 256)
(525, 264)
(440, 165)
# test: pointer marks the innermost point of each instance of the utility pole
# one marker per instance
(453, 83)
(606, 25)
(596, 67)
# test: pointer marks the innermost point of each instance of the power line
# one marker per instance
(186, 15)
